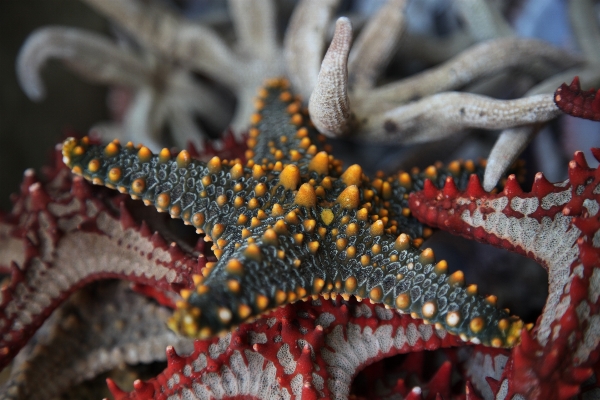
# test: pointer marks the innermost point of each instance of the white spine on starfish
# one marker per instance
(553, 242)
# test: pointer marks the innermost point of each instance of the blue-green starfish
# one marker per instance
(290, 224)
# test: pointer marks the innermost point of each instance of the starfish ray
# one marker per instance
(290, 224)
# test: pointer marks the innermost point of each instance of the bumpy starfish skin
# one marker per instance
(576, 102)
(559, 226)
(71, 234)
(290, 224)
(304, 350)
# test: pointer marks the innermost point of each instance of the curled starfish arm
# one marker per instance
(194, 45)
(479, 61)
(310, 349)
(446, 113)
(93, 332)
(304, 43)
(556, 224)
(70, 241)
(374, 47)
(91, 55)
(431, 117)
(254, 23)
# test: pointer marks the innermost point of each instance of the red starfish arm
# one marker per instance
(576, 102)
(312, 348)
(73, 235)
(94, 331)
(556, 224)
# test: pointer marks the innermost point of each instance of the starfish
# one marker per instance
(290, 224)
(558, 225)
(310, 350)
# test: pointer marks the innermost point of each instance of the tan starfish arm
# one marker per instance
(375, 45)
(177, 38)
(445, 113)
(254, 23)
(304, 42)
(82, 51)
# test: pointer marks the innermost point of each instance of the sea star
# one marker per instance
(291, 224)
(38, 208)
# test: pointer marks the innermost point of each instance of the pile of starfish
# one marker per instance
(316, 273)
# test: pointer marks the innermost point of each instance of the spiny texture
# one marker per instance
(62, 234)
(290, 224)
(97, 329)
(558, 225)
(576, 102)
(306, 350)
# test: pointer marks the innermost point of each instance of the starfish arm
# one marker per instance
(556, 224)
(513, 141)
(586, 29)
(304, 42)
(93, 332)
(446, 113)
(144, 118)
(509, 145)
(483, 20)
(477, 62)
(197, 99)
(310, 349)
(375, 46)
(91, 55)
(576, 102)
(191, 44)
(70, 241)
(329, 105)
(254, 23)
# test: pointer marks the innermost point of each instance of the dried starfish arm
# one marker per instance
(285, 233)
(329, 105)
(557, 224)
(93, 332)
(479, 61)
(483, 20)
(584, 21)
(254, 23)
(174, 37)
(71, 240)
(308, 349)
(374, 47)
(512, 142)
(443, 114)
(304, 43)
(90, 55)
